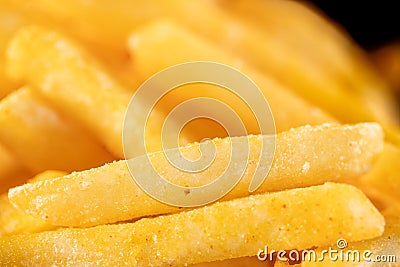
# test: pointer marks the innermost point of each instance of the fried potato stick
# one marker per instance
(238, 262)
(72, 80)
(14, 221)
(304, 156)
(381, 251)
(43, 138)
(292, 219)
(382, 183)
(12, 171)
(330, 71)
(328, 65)
(178, 45)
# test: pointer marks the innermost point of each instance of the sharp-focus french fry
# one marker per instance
(382, 251)
(176, 45)
(30, 125)
(303, 157)
(14, 221)
(292, 219)
(12, 172)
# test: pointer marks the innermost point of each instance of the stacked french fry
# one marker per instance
(68, 71)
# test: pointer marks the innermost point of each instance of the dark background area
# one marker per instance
(370, 23)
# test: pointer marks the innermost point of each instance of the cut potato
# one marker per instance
(238, 262)
(382, 183)
(12, 171)
(44, 139)
(292, 219)
(330, 71)
(382, 251)
(71, 80)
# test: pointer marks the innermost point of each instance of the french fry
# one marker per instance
(238, 262)
(285, 263)
(387, 61)
(292, 219)
(12, 172)
(178, 45)
(385, 245)
(333, 63)
(382, 183)
(317, 66)
(14, 221)
(303, 157)
(114, 56)
(76, 84)
(30, 124)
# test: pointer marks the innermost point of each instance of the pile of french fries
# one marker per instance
(68, 70)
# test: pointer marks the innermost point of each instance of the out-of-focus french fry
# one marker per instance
(176, 45)
(303, 157)
(112, 54)
(284, 263)
(12, 172)
(76, 84)
(71, 80)
(238, 262)
(317, 66)
(382, 251)
(14, 221)
(292, 219)
(9, 22)
(321, 65)
(30, 125)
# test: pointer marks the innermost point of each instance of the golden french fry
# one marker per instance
(178, 45)
(43, 138)
(76, 84)
(387, 61)
(303, 157)
(378, 252)
(330, 67)
(71, 80)
(238, 262)
(112, 54)
(292, 219)
(7, 15)
(12, 172)
(382, 183)
(14, 221)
